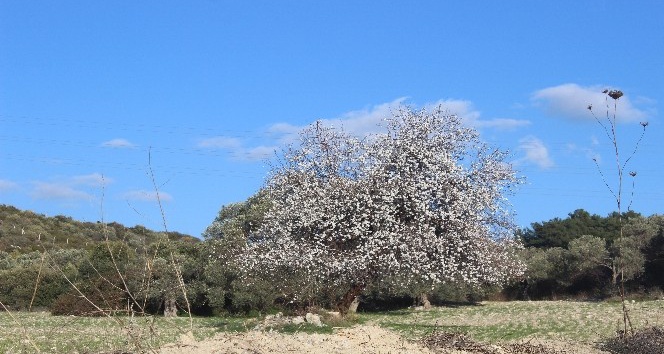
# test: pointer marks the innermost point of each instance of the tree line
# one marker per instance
(581, 255)
(567, 257)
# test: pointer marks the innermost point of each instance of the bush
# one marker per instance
(107, 298)
(17, 287)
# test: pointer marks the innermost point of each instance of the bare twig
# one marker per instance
(174, 263)
(34, 292)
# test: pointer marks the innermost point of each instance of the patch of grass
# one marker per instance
(229, 324)
(416, 330)
(69, 334)
(581, 322)
(494, 322)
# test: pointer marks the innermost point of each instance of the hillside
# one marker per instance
(23, 231)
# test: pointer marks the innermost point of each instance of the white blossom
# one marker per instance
(424, 201)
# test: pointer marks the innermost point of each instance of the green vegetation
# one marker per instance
(37, 275)
(22, 331)
(583, 322)
(25, 232)
(579, 257)
(52, 262)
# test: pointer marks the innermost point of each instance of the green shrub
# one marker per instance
(106, 297)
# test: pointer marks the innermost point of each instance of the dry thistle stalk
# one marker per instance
(609, 124)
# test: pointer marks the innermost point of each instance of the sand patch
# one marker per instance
(359, 339)
(364, 339)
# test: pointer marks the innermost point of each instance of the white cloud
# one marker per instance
(572, 100)
(70, 188)
(239, 152)
(92, 180)
(220, 142)
(58, 191)
(502, 123)
(365, 121)
(6, 186)
(260, 152)
(535, 152)
(284, 133)
(368, 121)
(118, 144)
(588, 152)
(147, 196)
(283, 128)
(359, 123)
(462, 108)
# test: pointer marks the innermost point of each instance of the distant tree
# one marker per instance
(234, 226)
(589, 253)
(548, 272)
(239, 220)
(654, 254)
(559, 232)
(425, 199)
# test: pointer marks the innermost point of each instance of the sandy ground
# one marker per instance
(355, 340)
(361, 339)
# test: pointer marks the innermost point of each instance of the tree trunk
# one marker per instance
(424, 300)
(615, 272)
(344, 306)
(526, 286)
(353, 305)
(170, 307)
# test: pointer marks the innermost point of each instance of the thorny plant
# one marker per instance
(609, 124)
(135, 306)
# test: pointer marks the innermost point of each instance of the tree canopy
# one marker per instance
(559, 232)
(425, 199)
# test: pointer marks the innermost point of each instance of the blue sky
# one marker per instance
(93, 93)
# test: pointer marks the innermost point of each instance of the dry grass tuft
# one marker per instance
(645, 341)
(438, 341)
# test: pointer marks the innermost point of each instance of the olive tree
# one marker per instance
(424, 202)
(589, 252)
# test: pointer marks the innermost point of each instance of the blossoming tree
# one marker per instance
(423, 202)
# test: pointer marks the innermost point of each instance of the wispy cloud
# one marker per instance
(535, 152)
(502, 123)
(92, 180)
(365, 121)
(220, 142)
(237, 150)
(462, 108)
(73, 188)
(260, 152)
(284, 133)
(7, 186)
(589, 152)
(572, 100)
(359, 123)
(58, 191)
(368, 121)
(118, 143)
(147, 196)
